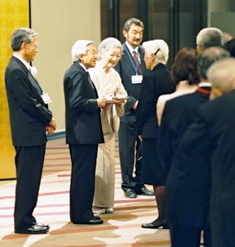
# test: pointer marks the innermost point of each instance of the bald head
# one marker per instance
(222, 76)
(207, 57)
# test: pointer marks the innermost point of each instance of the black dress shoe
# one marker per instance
(156, 224)
(145, 192)
(94, 221)
(34, 229)
(43, 225)
(130, 193)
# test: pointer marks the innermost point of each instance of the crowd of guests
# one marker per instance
(175, 131)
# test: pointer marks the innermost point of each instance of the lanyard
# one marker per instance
(132, 60)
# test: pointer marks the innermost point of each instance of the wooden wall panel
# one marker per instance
(13, 14)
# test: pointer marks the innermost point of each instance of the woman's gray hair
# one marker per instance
(108, 44)
(210, 36)
(20, 36)
(79, 48)
(158, 47)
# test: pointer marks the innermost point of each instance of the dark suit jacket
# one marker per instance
(188, 182)
(178, 114)
(29, 114)
(155, 83)
(212, 137)
(126, 69)
(83, 123)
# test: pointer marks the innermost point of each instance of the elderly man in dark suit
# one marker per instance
(212, 138)
(131, 67)
(29, 118)
(188, 181)
(207, 37)
(83, 130)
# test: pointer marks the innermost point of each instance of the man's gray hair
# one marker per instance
(108, 44)
(159, 47)
(208, 56)
(131, 21)
(79, 48)
(20, 36)
(209, 36)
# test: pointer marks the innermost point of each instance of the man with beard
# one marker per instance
(131, 68)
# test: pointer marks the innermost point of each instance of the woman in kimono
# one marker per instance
(108, 84)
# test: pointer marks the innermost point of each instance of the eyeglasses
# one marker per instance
(34, 45)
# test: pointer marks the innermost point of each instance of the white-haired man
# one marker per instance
(30, 119)
(209, 36)
(83, 130)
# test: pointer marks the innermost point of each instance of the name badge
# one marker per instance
(136, 79)
(46, 98)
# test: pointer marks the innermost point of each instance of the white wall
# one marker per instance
(59, 23)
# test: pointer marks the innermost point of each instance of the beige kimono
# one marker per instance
(106, 84)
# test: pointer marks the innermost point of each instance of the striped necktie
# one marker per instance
(136, 59)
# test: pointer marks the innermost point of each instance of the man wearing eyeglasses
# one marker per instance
(30, 119)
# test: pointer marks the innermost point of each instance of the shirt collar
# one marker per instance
(83, 67)
(204, 84)
(131, 49)
(27, 65)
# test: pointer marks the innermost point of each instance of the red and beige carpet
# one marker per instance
(122, 228)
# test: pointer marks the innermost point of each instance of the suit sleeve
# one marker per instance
(165, 146)
(21, 88)
(131, 99)
(146, 97)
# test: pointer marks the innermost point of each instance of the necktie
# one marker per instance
(136, 59)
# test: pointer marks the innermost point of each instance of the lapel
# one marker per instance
(130, 60)
(35, 83)
(31, 78)
(91, 84)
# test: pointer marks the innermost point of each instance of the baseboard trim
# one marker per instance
(57, 135)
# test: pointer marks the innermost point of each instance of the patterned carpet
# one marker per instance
(121, 228)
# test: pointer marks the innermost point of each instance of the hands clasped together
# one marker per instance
(51, 127)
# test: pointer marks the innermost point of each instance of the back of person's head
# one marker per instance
(208, 37)
(20, 36)
(185, 67)
(230, 47)
(131, 21)
(158, 47)
(222, 75)
(108, 44)
(79, 48)
(207, 57)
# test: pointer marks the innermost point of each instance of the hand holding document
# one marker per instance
(118, 99)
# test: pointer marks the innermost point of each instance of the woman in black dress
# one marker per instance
(156, 81)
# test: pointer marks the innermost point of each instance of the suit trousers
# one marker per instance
(29, 164)
(82, 186)
(129, 145)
